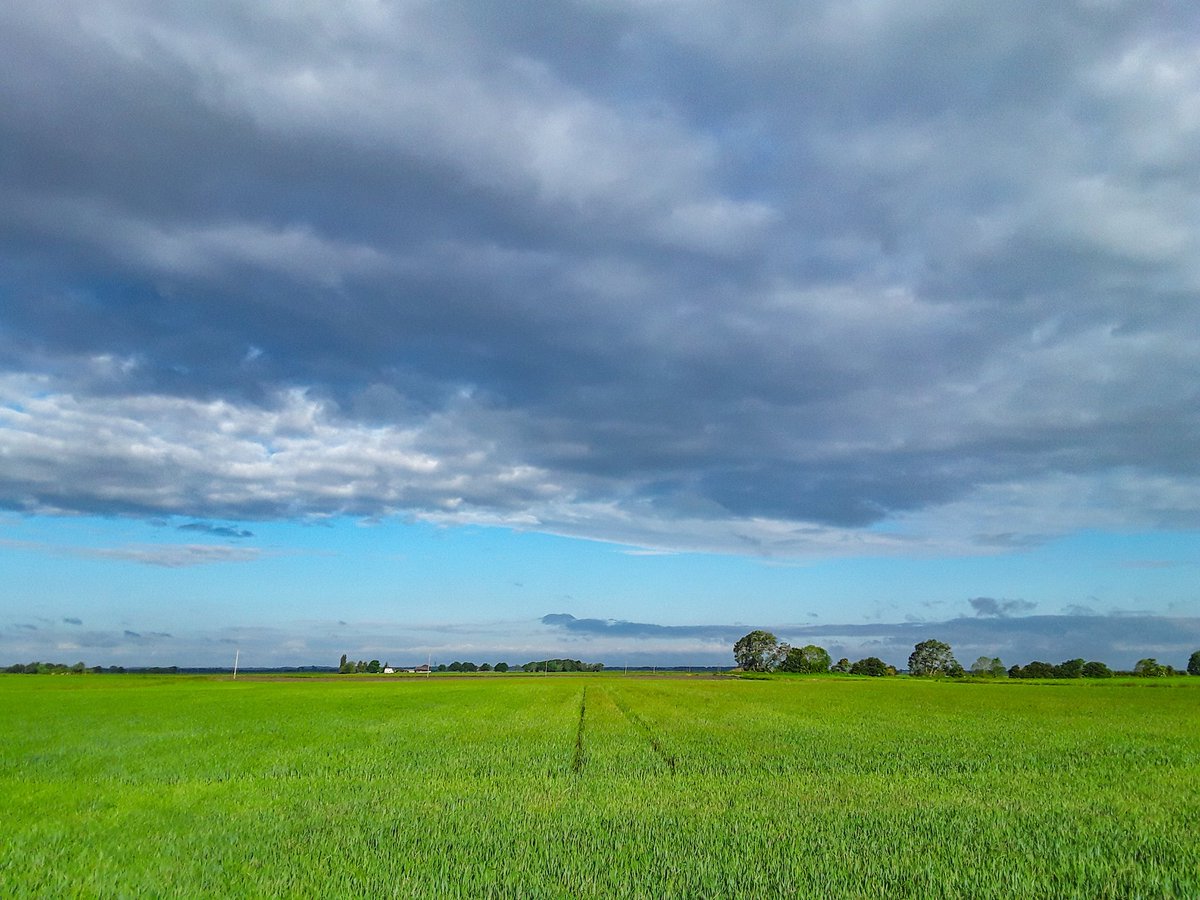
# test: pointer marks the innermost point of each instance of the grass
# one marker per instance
(597, 786)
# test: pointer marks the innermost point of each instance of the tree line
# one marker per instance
(47, 668)
(349, 667)
(761, 651)
(561, 665)
(541, 665)
(81, 668)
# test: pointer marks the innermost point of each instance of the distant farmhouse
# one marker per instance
(422, 669)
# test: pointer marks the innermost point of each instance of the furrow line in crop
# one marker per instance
(663, 754)
(578, 760)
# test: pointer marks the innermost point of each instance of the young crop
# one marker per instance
(602, 787)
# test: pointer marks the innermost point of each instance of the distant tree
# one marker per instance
(1071, 668)
(872, 665)
(808, 659)
(1095, 669)
(1149, 668)
(470, 667)
(373, 666)
(455, 666)
(1038, 669)
(988, 667)
(758, 651)
(441, 667)
(933, 658)
(1015, 671)
(842, 666)
(486, 667)
(1193, 666)
(501, 667)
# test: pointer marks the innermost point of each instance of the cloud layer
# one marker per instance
(822, 280)
(1119, 640)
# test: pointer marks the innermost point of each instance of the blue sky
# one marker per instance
(601, 329)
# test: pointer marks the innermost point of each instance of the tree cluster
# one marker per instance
(347, 667)
(46, 668)
(1077, 668)
(81, 668)
(471, 667)
(807, 659)
(761, 651)
(1152, 668)
(1070, 668)
(873, 666)
(561, 665)
(988, 667)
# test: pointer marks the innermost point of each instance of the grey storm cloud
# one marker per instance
(71, 620)
(990, 606)
(621, 629)
(686, 276)
(144, 635)
(216, 530)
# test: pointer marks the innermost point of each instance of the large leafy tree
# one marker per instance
(1194, 663)
(933, 658)
(872, 665)
(759, 651)
(1038, 669)
(809, 658)
(1071, 668)
(1149, 668)
(1096, 669)
(989, 667)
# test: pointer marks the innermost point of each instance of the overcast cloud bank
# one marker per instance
(889, 278)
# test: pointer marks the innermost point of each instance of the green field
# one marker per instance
(598, 786)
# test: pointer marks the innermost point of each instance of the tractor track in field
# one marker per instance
(580, 758)
(665, 755)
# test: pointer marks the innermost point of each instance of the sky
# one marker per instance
(608, 330)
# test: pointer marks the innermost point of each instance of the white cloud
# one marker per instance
(178, 455)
